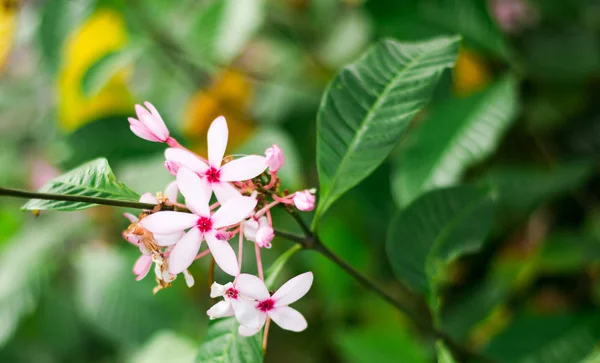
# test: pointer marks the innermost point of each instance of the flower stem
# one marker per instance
(266, 336)
(259, 266)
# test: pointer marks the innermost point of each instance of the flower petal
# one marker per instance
(217, 141)
(158, 121)
(244, 168)
(223, 254)
(216, 289)
(131, 217)
(249, 331)
(169, 222)
(233, 211)
(148, 198)
(194, 191)
(288, 318)
(245, 313)
(187, 159)
(171, 191)
(141, 132)
(167, 239)
(293, 290)
(220, 310)
(142, 266)
(224, 191)
(185, 251)
(252, 287)
(189, 279)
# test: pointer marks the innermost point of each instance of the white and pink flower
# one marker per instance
(149, 125)
(214, 175)
(202, 224)
(275, 306)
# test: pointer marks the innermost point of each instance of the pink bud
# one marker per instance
(275, 158)
(149, 125)
(304, 200)
(142, 266)
(264, 236)
(223, 235)
(172, 167)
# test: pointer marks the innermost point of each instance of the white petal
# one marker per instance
(194, 191)
(288, 318)
(244, 168)
(189, 279)
(224, 191)
(171, 191)
(185, 251)
(217, 141)
(223, 254)
(167, 239)
(169, 222)
(216, 289)
(220, 310)
(233, 211)
(245, 313)
(252, 287)
(250, 228)
(249, 331)
(131, 217)
(157, 119)
(148, 198)
(187, 159)
(293, 290)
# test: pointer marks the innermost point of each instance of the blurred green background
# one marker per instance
(71, 70)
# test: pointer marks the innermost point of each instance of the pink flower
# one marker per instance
(276, 306)
(217, 177)
(259, 231)
(233, 303)
(149, 125)
(274, 158)
(304, 200)
(202, 225)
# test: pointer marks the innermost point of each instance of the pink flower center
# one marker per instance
(213, 175)
(204, 224)
(231, 293)
(266, 305)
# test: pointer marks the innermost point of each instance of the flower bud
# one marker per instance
(172, 167)
(149, 125)
(251, 226)
(275, 158)
(304, 200)
(222, 235)
(264, 236)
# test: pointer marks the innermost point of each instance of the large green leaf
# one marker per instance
(458, 134)
(523, 187)
(423, 19)
(102, 70)
(443, 354)
(435, 229)
(93, 179)
(223, 344)
(26, 265)
(367, 107)
(546, 339)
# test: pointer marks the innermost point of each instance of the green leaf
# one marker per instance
(93, 179)
(434, 230)
(223, 28)
(423, 19)
(523, 187)
(26, 265)
(458, 134)
(166, 346)
(277, 266)
(367, 107)
(118, 307)
(443, 354)
(57, 18)
(546, 339)
(102, 70)
(223, 344)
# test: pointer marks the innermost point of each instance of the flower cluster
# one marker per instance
(245, 189)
